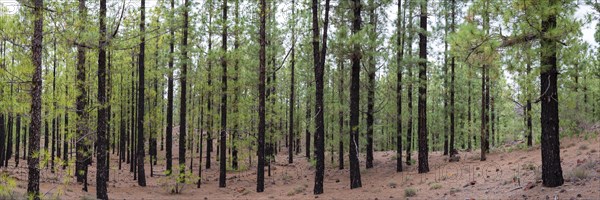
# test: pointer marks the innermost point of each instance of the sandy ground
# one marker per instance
(508, 173)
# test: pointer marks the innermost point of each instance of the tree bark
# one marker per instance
(355, 179)
(423, 146)
(183, 81)
(260, 175)
(102, 139)
(33, 178)
(223, 139)
(141, 98)
(169, 134)
(551, 167)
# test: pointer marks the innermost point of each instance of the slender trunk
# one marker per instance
(81, 104)
(400, 33)
(319, 106)
(528, 110)
(223, 139)
(371, 88)
(183, 83)
(355, 179)
(33, 183)
(290, 140)
(342, 99)
(236, 44)
(409, 95)
(452, 74)
(169, 134)
(141, 99)
(423, 146)
(209, 140)
(102, 139)
(260, 175)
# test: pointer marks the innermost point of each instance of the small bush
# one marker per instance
(435, 186)
(392, 185)
(579, 173)
(410, 192)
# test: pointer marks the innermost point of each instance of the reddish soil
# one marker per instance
(508, 173)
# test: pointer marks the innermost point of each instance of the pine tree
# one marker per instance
(33, 160)
(260, 174)
(223, 139)
(141, 99)
(423, 146)
(355, 180)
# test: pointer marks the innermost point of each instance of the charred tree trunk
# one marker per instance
(102, 138)
(141, 99)
(169, 134)
(81, 104)
(260, 174)
(355, 180)
(551, 168)
(183, 81)
(33, 183)
(371, 88)
(423, 146)
(223, 139)
(400, 33)
(319, 106)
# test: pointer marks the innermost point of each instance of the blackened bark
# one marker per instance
(169, 134)
(355, 180)
(371, 88)
(141, 99)
(18, 139)
(452, 75)
(33, 184)
(423, 146)
(551, 168)
(292, 89)
(223, 139)
(483, 114)
(183, 80)
(307, 130)
(400, 33)
(409, 95)
(342, 99)
(209, 139)
(260, 175)
(319, 106)
(236, 44)
(528, 111)
(102, 140)
(81, 104)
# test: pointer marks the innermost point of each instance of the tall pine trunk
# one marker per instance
(33, 160)
(551, 168)
(260, 174)
(102, 139)
(183, 81)
(223, 139)
(423, 145)
(355, 180)
(141, 99)
(169, 134)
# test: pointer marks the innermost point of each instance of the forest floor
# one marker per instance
(510, 172)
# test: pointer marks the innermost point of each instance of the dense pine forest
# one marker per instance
(296, 99)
